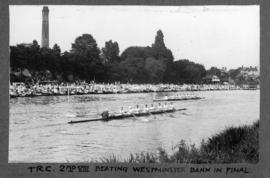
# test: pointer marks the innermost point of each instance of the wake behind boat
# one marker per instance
(106, 116)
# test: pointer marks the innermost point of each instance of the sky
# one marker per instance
(221, 36)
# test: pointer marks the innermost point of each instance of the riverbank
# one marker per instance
(55, 89)
(233, 145)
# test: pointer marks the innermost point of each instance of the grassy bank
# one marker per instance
(233, 145)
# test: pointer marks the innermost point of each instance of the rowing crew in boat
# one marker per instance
(182, 96)
(138, 110)
(177, 97)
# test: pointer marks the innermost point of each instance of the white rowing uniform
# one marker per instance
(165, 107)
(145, 109)
(121, 111)
(136, 110)
(130, 110)
(160, 108)
(171, 106)
(152, 108)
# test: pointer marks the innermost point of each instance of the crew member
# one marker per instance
(152, 108)
(171, 106)
(165, 106)
(166, 97)
(137, 109)
(159, 107)
(130, 110)
(146, 109)
(121, 110)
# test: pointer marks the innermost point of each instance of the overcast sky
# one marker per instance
(211, 35)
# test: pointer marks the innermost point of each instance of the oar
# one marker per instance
(169, 114)
(185, 114)
(134, 116)
(164, 112)
(176, 110)
(152, 114)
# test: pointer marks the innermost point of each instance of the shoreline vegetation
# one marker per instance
(232, 145)
(85, 61)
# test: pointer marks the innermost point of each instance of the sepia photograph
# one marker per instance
(134, 84)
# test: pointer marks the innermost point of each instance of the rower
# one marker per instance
(171, 107)
(146, 109)
(121, 110)
(165, 106)
(130, 110)
(159, 106)
(152, 108)
(141, 109)
(137, 109)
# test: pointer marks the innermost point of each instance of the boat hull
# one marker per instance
(178, 99)
(125, 116)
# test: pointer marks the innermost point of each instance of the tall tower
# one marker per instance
(45, 27)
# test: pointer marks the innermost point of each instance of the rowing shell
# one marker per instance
(177, 99)
(124, 116)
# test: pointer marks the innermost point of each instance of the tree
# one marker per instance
(137, 52)
(57, 49)
(35, 44)
(214, 71)
(133, 70)
(224, 76)
(115, 72)
(22, 56)
(157, 51)
(233, 73)
(185, 71)
(160, 50)
(159, 41)
(86, 46)
(155, 70)
(111, 52)
(86, 56)
(17, 58)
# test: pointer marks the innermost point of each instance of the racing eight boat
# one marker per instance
(106, 116)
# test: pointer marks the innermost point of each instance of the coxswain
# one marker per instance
(105, 115)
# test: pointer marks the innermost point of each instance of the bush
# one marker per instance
(233, 145)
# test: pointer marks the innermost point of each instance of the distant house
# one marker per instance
(215, 79)
(211, 79)
(249, 71)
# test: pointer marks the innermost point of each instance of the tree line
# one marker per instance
(87, 62)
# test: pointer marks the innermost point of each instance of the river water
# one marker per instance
(39, 131)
